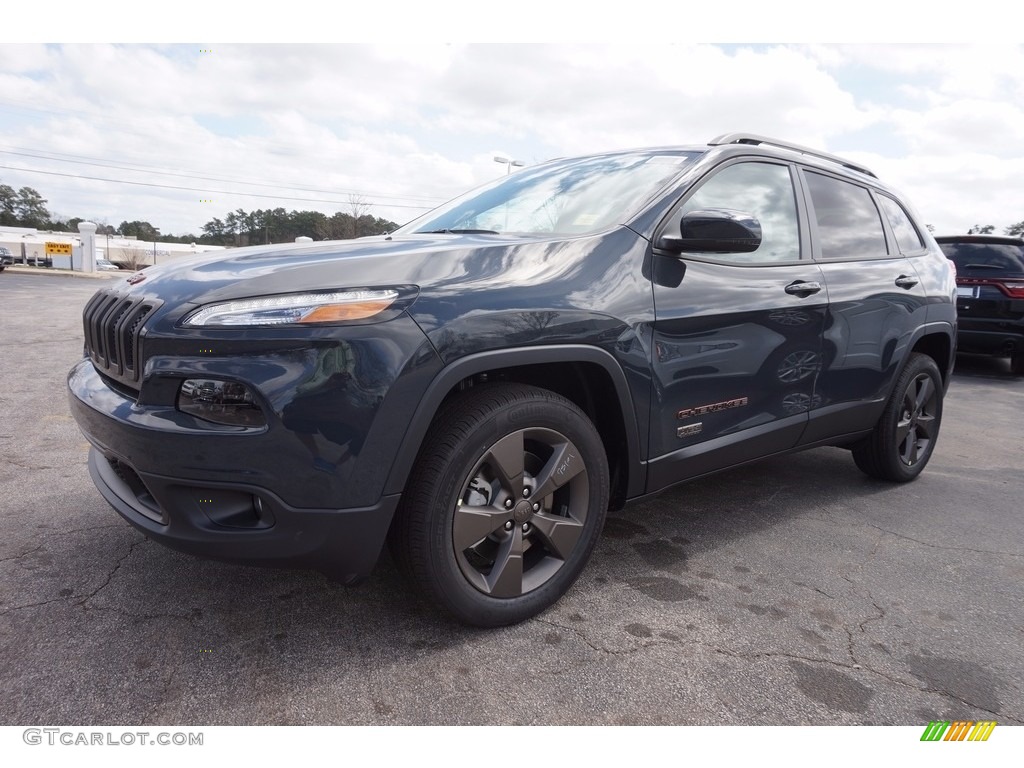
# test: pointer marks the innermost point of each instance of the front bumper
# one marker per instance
(151, 471)
(183, 516)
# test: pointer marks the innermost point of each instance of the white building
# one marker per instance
(28, 246)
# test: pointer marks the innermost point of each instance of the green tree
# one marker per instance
(8, 198)
(30, 208)
(977, 229)
(276, 225)
(142, 230)
(1016, 230)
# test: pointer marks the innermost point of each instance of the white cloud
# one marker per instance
(422, 120)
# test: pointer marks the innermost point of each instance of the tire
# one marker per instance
(903, 440)
(1017, 363)
(504, 506)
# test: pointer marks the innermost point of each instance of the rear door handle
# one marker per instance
(801, 288)
(906, 281)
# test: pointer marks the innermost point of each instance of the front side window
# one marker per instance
(849, 225)
(764, 190)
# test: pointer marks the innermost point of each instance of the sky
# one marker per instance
(177, 133)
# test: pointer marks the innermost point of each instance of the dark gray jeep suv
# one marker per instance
(482, 385)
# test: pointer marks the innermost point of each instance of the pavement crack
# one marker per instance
(815, 589)
(34, 605)
(879, 617)
(23, 554)
(26, 465)
(1001, 716)
(161, 698)
(113, 571)
(596, 647)
(87, 528)
(911, 538)
(143, 616)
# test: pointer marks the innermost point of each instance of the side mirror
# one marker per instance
(714, 230)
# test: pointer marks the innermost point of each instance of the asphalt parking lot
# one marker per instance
(795, 591)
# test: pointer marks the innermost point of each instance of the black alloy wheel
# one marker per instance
(521, 512)
(505, 504)
(918, 425)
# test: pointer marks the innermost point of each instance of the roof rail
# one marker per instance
(753, 138)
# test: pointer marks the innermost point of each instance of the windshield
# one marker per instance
(566, 197)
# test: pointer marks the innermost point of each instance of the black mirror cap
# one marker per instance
(715, 230)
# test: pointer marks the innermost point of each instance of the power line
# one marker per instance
(213, 191)
(150, 169)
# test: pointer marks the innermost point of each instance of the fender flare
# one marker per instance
(480, 362)
(934, 328)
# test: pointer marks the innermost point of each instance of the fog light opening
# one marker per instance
(220, 402)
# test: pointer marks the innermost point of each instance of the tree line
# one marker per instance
(1014, 230)
(27, 208)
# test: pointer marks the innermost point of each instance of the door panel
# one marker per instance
(737, 336)
(734, 351)
(870, 325)
(875, 303)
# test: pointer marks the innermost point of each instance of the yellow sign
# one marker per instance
(55, 249)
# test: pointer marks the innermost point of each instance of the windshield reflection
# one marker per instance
(567, 197)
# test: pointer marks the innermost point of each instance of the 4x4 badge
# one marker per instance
(690, 430)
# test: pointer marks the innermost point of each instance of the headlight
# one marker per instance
(302, 308)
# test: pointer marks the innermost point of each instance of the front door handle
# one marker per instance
(906, 281)
(802, 289)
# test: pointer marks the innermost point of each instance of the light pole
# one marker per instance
(509, 164)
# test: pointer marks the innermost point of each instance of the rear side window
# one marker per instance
(985, 259)
(849, 226)
(907, 237)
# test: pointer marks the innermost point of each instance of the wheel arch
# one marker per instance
(588, 376)
(937, 340)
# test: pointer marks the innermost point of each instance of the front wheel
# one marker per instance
(903, 440)
(505, 504)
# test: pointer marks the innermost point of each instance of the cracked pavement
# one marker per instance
(794, 591)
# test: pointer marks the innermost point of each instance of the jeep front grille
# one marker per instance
(113, 334)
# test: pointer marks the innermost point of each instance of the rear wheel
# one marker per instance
(903, 440)
(505, 504)
(1017, 362)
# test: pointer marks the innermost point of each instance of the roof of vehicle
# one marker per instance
(745, 141)
(990, 239)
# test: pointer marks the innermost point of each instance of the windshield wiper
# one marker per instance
(981, 266)
(460, 232)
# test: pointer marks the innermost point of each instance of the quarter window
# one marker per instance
(763, 190)
(907, 237)
(849, 226)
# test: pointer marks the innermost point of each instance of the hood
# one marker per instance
(419, 259)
